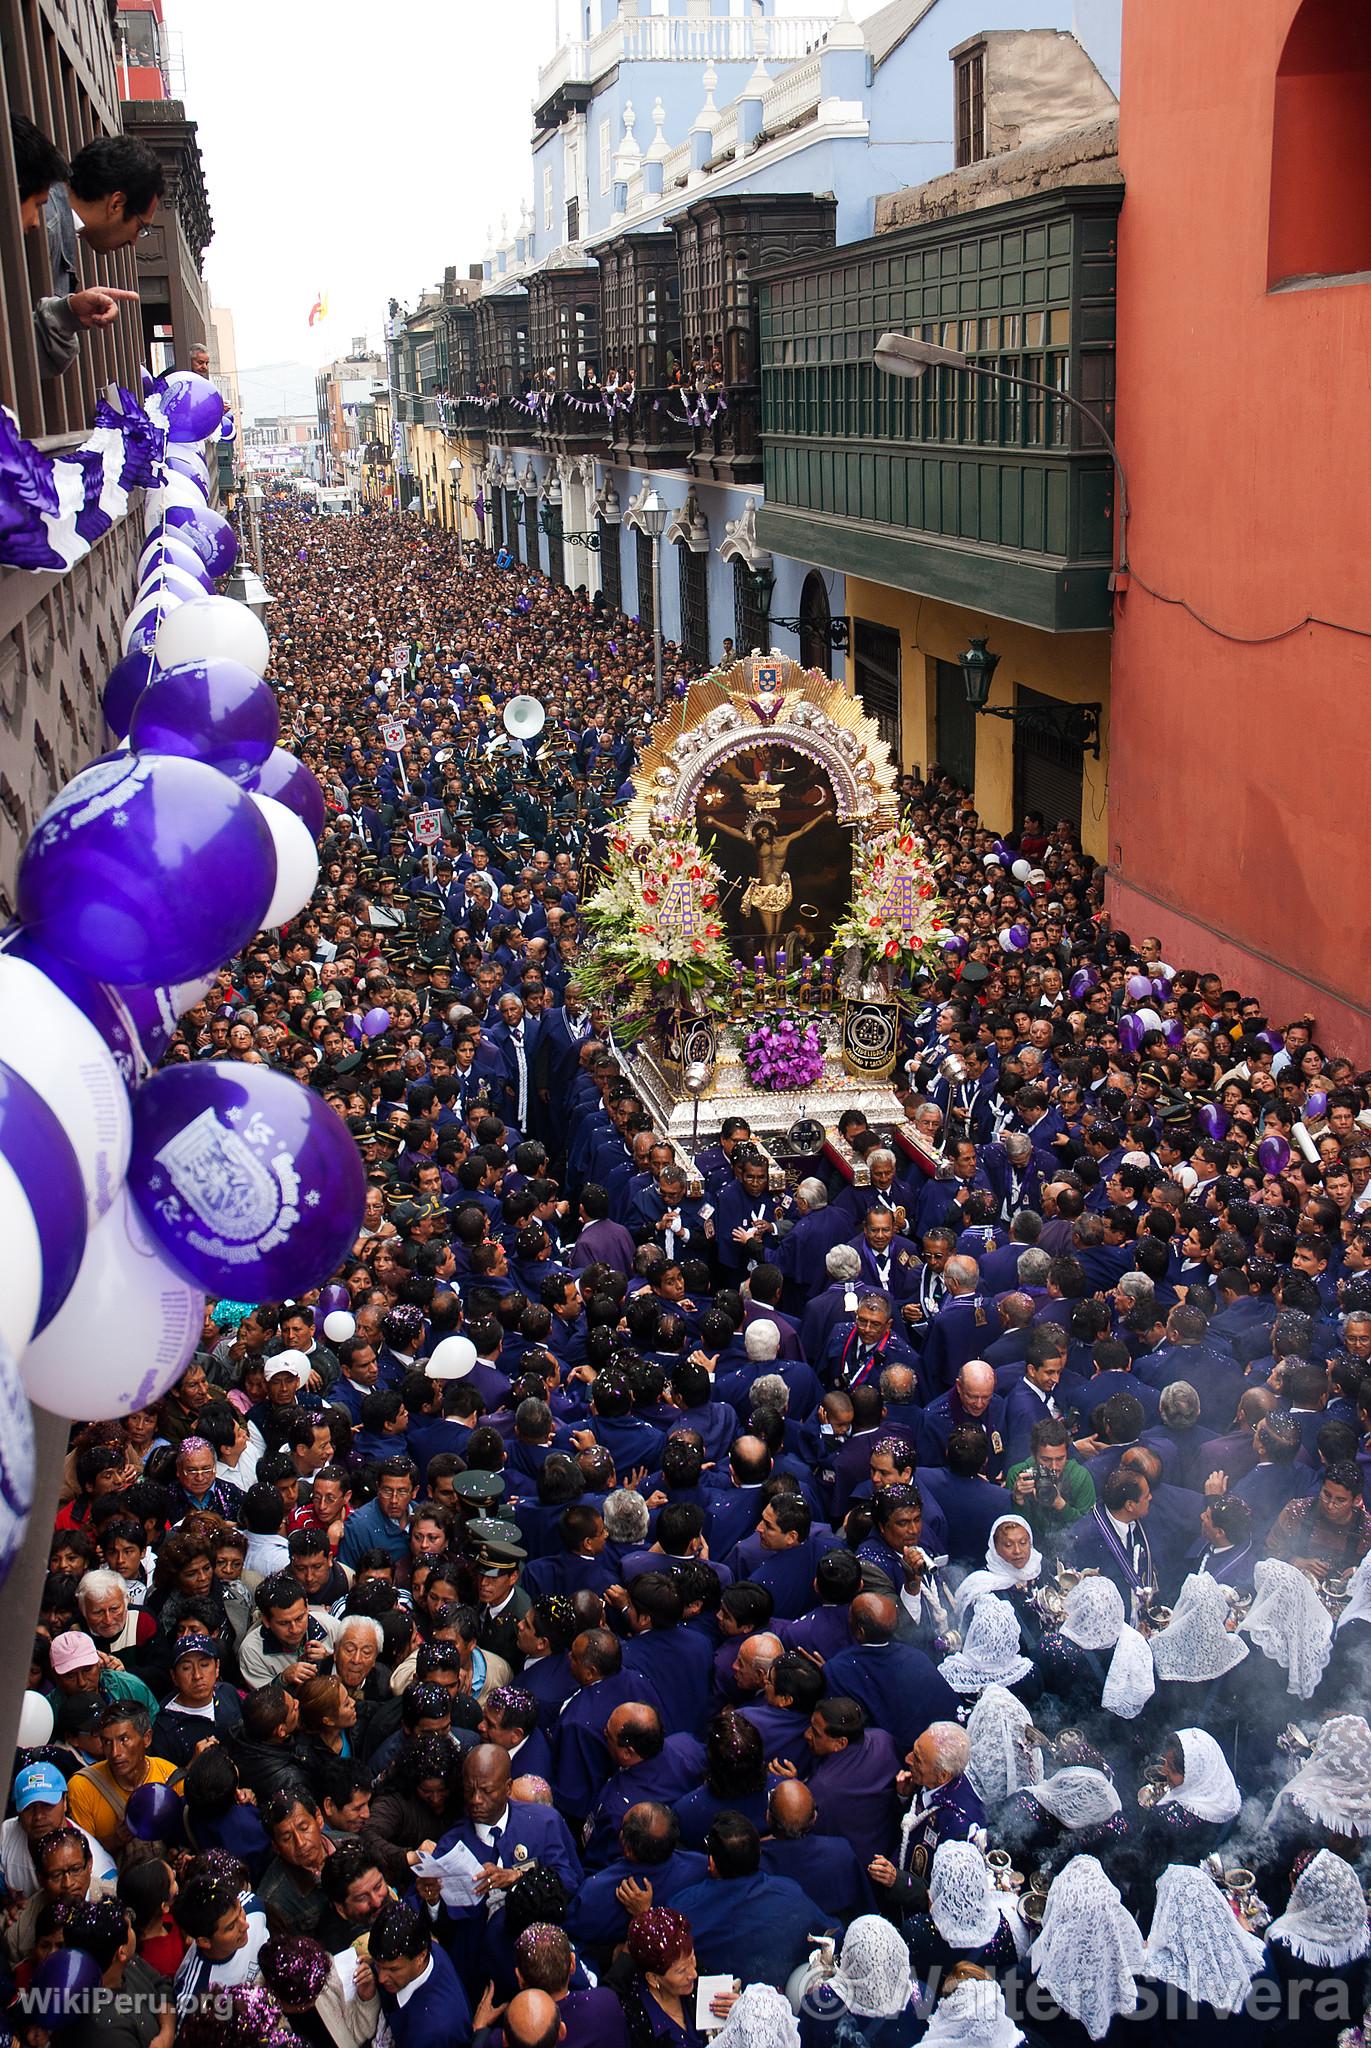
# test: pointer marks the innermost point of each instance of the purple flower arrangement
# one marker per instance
(784, 1055)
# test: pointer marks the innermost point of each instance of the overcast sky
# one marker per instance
(355, 147)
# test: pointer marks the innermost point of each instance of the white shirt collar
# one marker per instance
(402, 1998)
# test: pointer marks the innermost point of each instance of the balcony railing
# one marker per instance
(677, 39)
(793, 97)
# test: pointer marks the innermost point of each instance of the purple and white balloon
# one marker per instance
(147, 870)
(40, 1161)
(124, 685)
(125, 1332)
(191, 406)
(293, 785)
(217, 712)
(45, 1038)
(206, 531)
(250, 1184)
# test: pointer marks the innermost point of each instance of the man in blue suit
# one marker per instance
(898, 1685)
(421, 1995)
(503, 1835)
(746, 1924)
(649, 1853)
(971, 1403)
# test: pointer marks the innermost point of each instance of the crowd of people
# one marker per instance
(644, 1603)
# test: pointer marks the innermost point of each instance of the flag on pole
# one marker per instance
(319, 310)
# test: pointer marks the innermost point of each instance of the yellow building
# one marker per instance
(912, 644)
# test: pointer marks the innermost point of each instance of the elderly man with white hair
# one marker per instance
(943, 1807)
(116, 1629)
(838, 1298)
(801, 1253)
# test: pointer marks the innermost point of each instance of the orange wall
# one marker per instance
(1240, 774)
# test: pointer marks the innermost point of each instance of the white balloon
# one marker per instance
(44, 1037)
(339, 1326)
(214, 627)
(176, 551)
(452, 1359)
(186, 994)
(157, 604)
(1021, 870)
(36, 1721)
(123, 1335)
(297, 862)
(182, 490)
(18, 1462)
(23, 1262)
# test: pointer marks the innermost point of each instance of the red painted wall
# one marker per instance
(1240, 774)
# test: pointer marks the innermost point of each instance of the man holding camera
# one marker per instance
(1050, 1488)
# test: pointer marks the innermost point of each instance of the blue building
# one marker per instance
(681, 149)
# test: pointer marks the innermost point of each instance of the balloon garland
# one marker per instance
(128, 1196)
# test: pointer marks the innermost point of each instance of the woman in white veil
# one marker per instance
(1198, 1944)
(1095, 1659)
(1074, 1812)
(971, 2014)
(1013, 1562)
(761, 2018)
(991, 1654)
(1201, 1800)
(1290, 1625)
(966, 1921)
(1005, 1754)
(1332, 1790)
(868, 2002)
(1089, 1954)
(1317, 1949)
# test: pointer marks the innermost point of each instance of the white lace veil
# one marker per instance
(1209, 1790)
(873, 1978)
(1196, 1645)
(961, 1896)
(1094, 1614)
(972, 2016)
(1290, 1622)
(1358, 1606)
(1334, 1787)
(1004, 1758)
(1132, 1678)
(762, 2018)
(991, 1653)
(1078, 1797)
(1198, 1943)
(1325, 1922)
(1090, 1950)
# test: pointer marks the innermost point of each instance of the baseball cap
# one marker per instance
(38, 1784)
(288, 1361)
(73, 1651)
(196, 1646)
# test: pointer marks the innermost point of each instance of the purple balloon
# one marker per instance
(334, 1296)
(165, 549)
(1082, 981)
(1174, 1031)
(124, 685)
(66, 1978)
(213, 711)
(1273, 1155)
(1130, 1033)
(209, 534)
(190, 463)
(250, 1184)
(154, 1814)
(1213, 1121)
(1018, 936)
(352, 1029)
(147, 870)
(34, 1145)
(955, 944)
(193, 408)
(375, 1022)
(1139, 987)
(228, 427)
(293, 785)
(1161, 987)
(144, 633)
(1315, 1102)
(302, 555)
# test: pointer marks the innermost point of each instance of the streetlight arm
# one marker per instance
(906, 356)
(1077, 405)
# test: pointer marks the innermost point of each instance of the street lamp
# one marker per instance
(652, 518)
(245, 583)
(904, 355)
(1077, 724)
(454, 470)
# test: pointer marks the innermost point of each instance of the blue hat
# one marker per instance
(38, 1782)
